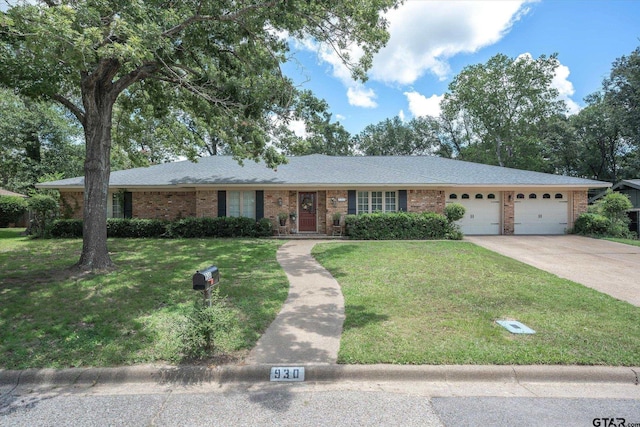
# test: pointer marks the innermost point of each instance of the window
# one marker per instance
(241, 203)
(533, 196)
(479, 196)
(546, 196)
(465, 196)
(453, 196)
(559, 196)
(491, 196)
(377, 201)
(117, 206)
(520, 196)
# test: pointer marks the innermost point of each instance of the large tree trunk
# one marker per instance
(98, 98)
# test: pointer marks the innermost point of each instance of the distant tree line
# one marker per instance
(504, 112)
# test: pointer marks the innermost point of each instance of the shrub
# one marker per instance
(615, 205)
(591, 224)
(210, 329)
(454, 212)
(44, 209)
(400, 226)
(220, 227)
(135, 227)
(11, 209)
(67, 228)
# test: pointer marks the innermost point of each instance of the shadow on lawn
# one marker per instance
(359, 316)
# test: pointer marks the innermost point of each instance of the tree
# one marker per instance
(493, 110)
(85, 55)
(600, 142)
(393, 137)
(622, 92)
(36, 139)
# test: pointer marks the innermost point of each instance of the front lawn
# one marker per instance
(53, 317)
(633, 242)
(437, 303)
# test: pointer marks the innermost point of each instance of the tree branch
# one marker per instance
(228, 17)
(70, 106)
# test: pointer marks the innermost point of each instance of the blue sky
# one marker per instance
(432, 41)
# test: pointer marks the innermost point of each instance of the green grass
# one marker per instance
(437, 303)
(10, 238)
(51, 316)
(625, 241)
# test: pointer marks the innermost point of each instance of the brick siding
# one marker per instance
(425, 201)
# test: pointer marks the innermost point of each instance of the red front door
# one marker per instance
(307, 205)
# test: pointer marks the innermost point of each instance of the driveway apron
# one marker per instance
(605, 266)
(308, 328)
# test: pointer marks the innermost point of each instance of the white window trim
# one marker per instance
(369, 201)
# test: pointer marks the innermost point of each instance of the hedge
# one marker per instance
(401, 226)
(11, 209)
(187, 227)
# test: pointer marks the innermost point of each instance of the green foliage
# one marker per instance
(393, 137)
(615, 205)
(400, 226)
(209, 329)
(492, 111)
(607, 217)
(67, 228)
(135, 227)
(182, 228)
(591, 224)
(44, 209)
(454, 212)
(11, 209)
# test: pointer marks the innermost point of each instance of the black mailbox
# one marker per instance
(203, 279)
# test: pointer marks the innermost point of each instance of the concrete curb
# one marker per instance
(185, 375)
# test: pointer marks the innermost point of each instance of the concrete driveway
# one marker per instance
(612, 268)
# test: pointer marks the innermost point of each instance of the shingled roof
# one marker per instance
(329, 171)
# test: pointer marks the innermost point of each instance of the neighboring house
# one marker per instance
(22, 221)
(313, 188)
(630, 187)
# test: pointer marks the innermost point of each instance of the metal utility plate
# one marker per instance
(515, 327)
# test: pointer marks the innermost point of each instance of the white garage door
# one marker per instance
(482, 214)
(541, 213)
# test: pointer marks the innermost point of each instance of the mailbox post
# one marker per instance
(204, 280)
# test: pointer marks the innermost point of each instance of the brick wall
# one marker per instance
(508, 212)
(425, 201)
(71, 204)
(580, 202)
(164, 205)
(272, 205)
(207, 203)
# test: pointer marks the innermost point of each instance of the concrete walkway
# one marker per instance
(308, 329)
(608, 267)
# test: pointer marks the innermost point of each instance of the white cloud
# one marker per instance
(565, 88)
(401, 116)
(424, 34)
(420, 105)
(340, 117)
(359, 96)
(298, 127)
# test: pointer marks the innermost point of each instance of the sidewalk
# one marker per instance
(309, 326)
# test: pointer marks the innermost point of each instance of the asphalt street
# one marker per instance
(339, 403)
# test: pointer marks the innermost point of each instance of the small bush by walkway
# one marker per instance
(437, 303)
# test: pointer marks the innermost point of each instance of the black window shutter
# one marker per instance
(402, 200)
(351, 202)
(128, 204)
(222, 203)
(259, 205)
